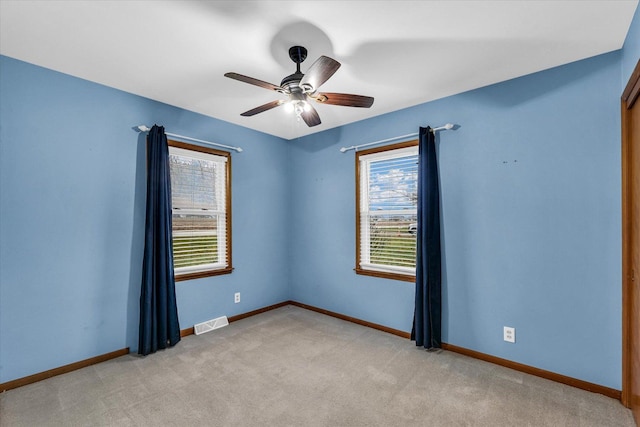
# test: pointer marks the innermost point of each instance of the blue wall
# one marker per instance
(530, 188)
(72, 219)
(530, 207)
(631, 48)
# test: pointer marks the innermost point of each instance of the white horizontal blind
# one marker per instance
(388, 210)
(198, 187)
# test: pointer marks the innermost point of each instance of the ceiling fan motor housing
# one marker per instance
(290, 83)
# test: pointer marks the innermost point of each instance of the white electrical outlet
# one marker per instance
(236, 297)
(509, 334)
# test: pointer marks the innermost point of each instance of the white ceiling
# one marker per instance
(403, 53)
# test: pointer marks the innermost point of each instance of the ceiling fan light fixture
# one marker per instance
(289, 107)
(296, 106)
(300, 108)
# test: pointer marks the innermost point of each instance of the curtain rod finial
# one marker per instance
(143, 128)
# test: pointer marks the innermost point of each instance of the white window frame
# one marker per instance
(222, 211)
(363, 256)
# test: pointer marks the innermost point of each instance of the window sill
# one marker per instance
(386, 275)
(201, 274)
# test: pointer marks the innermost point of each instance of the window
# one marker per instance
(201, 203)
(386, 218)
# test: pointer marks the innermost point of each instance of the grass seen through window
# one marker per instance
(194, 250)
(392, 245)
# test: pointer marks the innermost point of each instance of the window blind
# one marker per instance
(388, 210)
(198, 186)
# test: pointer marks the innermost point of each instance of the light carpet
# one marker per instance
(294, 367)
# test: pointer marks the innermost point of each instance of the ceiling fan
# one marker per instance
(300, 88)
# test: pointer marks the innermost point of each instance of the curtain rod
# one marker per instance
(143, 128)
(411, 135)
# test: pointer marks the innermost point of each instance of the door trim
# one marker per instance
(629, 97)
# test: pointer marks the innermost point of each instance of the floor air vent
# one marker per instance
(210, 325)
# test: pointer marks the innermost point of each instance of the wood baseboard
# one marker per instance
(62, 370)
(574, 382)
(187, 332)
(403, 334)
(595, 388)
(9, 385)
(397, 332)
(190, 331)
(258, 311)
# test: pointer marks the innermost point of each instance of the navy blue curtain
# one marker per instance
(427, 316)
(159, 325)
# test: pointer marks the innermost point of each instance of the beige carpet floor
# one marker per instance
(293, 367)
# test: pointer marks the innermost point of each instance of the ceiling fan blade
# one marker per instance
(310, 116)
(251, 80)
(318, 73)
(345, 99)
(262, 108)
